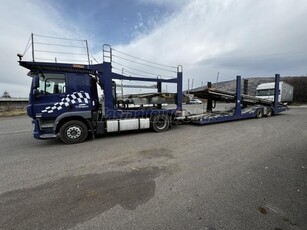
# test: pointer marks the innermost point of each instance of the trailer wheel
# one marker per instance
(269, 112)
(73, 132)
(259, 113)
(160, 123)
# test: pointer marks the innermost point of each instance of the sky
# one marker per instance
(230, 37)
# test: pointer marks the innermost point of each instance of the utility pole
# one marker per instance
(217, 78)
(192, 83)
(122, 88)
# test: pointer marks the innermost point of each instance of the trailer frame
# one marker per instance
(259, 108)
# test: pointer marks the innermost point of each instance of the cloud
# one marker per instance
(164, 3)
(17, 21)
(230, 36)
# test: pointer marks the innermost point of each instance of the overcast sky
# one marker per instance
(234, 37)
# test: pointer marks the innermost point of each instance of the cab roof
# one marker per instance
(57, 67)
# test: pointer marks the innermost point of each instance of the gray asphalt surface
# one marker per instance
(248, 174)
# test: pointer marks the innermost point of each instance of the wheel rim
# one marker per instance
(161, 123)
(74, 132)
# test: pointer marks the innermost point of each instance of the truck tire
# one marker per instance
(73, 132)
(160, 123)
(259, 113)
(269, 113)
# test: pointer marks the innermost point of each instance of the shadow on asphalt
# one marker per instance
(72, 200)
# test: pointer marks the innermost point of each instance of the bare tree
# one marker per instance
(6, 95)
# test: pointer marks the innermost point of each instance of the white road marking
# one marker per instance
(19, 131)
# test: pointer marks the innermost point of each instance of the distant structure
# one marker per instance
(299, 83)
(9, 103)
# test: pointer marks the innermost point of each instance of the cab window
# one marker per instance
(51, 83)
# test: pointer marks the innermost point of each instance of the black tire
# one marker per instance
(73, 132)
(259, 113)
(160, 123)
(269, 113)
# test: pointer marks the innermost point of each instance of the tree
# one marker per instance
(6, 95)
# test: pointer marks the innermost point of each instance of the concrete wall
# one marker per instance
(13, 103)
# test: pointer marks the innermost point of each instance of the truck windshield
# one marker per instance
(51, 83)
(265, 92)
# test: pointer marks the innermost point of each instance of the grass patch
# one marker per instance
(294, 103)
(12, 112)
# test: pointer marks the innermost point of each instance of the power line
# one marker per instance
(142, 70)
(127, 71)
(135, 69)
(154, 67)
(135, 74)
(144, 59)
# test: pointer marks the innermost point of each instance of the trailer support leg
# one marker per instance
(159, 86)
(179, 88)
(238, 97)
(276, 93)
(245, 86)
(209, 100)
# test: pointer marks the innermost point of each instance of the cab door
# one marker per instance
(48, 100)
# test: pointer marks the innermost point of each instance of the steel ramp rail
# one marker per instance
(227, 96)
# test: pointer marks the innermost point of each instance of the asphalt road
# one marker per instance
(248, 174)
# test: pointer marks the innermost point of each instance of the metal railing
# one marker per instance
(58, 50)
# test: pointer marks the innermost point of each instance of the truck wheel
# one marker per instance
(259, 113)
(73, 132)
(269, 112)
(160, 123)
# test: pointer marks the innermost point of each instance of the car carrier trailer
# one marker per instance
(245, 106)
(64, 101)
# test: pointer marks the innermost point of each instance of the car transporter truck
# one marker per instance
(64, 99)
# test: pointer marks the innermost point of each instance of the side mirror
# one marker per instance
(35, 92)
(35, 82)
